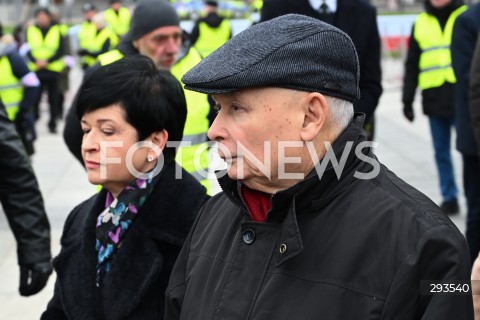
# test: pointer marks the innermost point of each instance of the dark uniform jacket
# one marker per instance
(358, 19)
(464, 37)
(21, 198)
(134, 287)
(330, 249)
(474, 94)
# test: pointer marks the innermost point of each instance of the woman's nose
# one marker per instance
(89, 142)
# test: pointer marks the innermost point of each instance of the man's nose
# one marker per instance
(217, 130)
(173, 45)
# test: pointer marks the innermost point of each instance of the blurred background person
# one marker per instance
(464, 36)
(46, 52)
(86, 34)
(103, 40)
(124, 240)
(19, 89)
(69, 63)
(474, 93)
(428, 66)
(210, 32)
(358, 19)
(118, 17)
(22, 203)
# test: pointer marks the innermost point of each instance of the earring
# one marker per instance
(150, 158)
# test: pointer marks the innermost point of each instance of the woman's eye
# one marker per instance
(85, 131)
(108, 132)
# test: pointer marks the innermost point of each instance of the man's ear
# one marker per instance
(158, 138)
(316, 113)
(135, 44)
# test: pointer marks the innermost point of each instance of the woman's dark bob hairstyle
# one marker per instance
(153, 100)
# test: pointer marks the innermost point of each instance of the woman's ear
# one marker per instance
(316, 113)
(158, 138)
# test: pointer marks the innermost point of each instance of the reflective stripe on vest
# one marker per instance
(435, 59)
(195, 138)
(97, 42)
(119, 23)
(44, 48)
(11, 89)
(210, 39)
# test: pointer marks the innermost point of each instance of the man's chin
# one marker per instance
(165, 65)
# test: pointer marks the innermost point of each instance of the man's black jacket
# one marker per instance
(331, 248)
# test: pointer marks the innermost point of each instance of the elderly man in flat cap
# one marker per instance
(309, 225)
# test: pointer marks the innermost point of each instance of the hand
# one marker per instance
(41, 64)
(25, 122)
(408, 112)
(34, 277)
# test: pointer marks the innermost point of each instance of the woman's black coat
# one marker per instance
(134, 288)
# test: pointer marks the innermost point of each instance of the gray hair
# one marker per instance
(341, 112)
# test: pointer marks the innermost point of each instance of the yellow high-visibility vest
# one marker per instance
(435, 59)
(119, 23)
(196, 125)
(210, 39)
(110, 57)
(44, 48)
(97, 42)
(257, 5)
(86, 33)
(63, 29)
(11, 88)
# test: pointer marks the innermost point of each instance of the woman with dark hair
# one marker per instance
(119, 246)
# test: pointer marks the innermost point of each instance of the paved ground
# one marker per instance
(404, 147)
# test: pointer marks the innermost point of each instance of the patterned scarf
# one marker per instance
(115, 220)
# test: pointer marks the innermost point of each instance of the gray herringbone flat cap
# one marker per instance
(292, 51)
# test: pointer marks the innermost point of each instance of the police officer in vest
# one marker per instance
(155, 32)
(118, 17)
(429, 66)
(210, 32)
(103, 40)
(19, 88)
(87, 33)
(47, 49)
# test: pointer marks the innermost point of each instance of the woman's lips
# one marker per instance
(91, 164)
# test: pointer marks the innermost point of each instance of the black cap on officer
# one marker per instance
(89, 7)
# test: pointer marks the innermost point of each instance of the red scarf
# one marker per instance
(257, 202)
